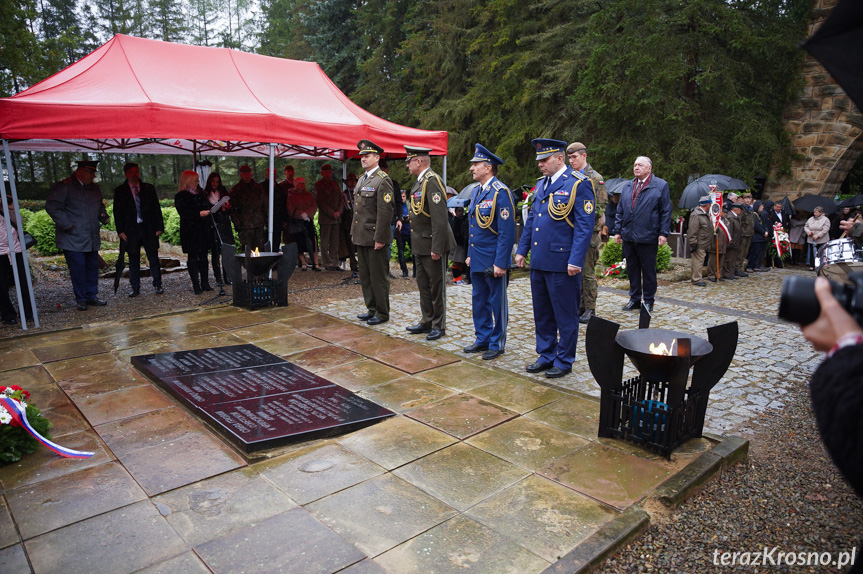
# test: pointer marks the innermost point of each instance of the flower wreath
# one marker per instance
(616, 270)
(15, 441)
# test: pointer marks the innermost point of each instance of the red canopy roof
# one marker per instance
(140, 95)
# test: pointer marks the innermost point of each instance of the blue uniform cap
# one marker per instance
(705, 199)
(482, 154)
(546, 148)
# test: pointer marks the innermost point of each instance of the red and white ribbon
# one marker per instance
(19, 415)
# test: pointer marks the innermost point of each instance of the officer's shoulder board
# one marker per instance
(498, 186)
(382, 173)
(580, 176)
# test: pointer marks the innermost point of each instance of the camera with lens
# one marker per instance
(798, 303)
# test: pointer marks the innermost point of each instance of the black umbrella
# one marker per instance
(701, 186)
(838, 45)
(851, 201)
(811, 201)
(120, 265)
(615, 184)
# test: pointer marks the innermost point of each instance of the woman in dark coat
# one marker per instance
(193, 208)
(215, 191)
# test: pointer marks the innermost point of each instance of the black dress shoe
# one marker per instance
(585, 317)
(159, 290)
(96, 302)
(134, 292)
(475, 348)
(377, 321)
(490, 354)
(365, 316)
(538, 367)
(632, 305)
(418, 328)
(82, 305)
(435, 334)
(12, 320)
(699, 283)
(648, 307)
(556, 373)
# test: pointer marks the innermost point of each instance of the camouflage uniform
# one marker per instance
(589, 286)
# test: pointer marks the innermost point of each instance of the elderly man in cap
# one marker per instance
(577, 153)
(329, 200)
(699, 237)
(75, 204)
(491, 213)
(643, 226)
(371, 233)
(249, 211)
(139, 222)
(431, 241)
(557, 234)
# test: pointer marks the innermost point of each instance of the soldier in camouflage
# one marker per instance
(577, 153)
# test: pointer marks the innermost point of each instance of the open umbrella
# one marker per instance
(838, 45)
(463, 197)
(811, 201)
(614, 185)
(851, 201)
(701, 186)
(120, 265)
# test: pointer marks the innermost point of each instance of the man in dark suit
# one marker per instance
(557, 235)
(139, 223)
(643, 223)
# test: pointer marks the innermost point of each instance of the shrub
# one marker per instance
(111, 226)
(172, 225)
(41, 227)
(612, 253)
(26, 214)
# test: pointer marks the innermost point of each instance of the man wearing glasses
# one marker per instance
(371, 233)
(431, 241)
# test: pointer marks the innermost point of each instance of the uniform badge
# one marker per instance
(436, 197)
(388, 198)
(588, 206)
(504, 214)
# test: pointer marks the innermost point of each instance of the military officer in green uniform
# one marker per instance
(371, 233)
(577, 153)
(431, 240)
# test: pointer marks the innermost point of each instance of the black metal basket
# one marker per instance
(260, 293)
(638, 413)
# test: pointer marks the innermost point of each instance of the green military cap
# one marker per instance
(366, 146)
(413, 151)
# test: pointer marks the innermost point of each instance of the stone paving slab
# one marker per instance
(487, 468)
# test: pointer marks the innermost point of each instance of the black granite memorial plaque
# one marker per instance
(272, 421)
(177, 364)
(255, 399)
(223, 386)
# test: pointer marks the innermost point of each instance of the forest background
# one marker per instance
(697, 85)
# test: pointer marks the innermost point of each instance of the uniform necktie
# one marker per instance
(547, 183)
(137, 203)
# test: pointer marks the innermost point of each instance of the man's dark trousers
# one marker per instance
(151, 248)
(641, 268)
(84, 272)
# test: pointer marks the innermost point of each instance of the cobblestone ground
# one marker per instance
(771, 355)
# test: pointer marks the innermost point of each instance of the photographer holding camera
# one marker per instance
(837, 384)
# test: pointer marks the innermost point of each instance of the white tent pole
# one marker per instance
(271, 176)
(444, 170)
(13, 257)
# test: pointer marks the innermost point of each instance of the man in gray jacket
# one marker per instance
(75, 205)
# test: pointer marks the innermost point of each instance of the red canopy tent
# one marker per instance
(134, 95)
(149, 96)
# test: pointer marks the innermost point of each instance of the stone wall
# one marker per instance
(826, 129)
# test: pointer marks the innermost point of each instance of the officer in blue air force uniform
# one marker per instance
(557, 235)
(492, 233)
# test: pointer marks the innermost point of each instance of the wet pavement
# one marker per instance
(485, 467)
